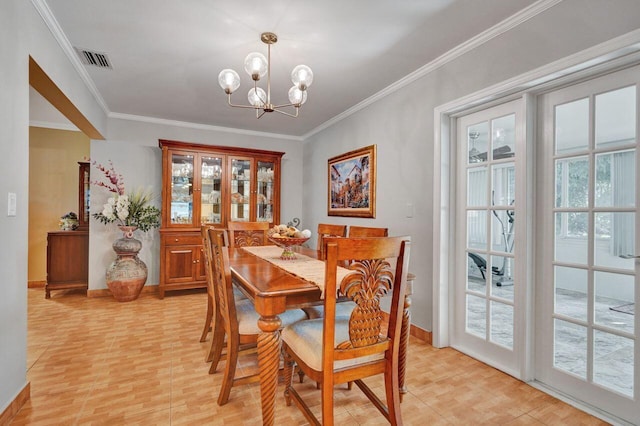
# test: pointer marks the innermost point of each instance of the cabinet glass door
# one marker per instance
(265, 191)
(83, 194)
(181, 189)
(240, 190)
(211, 187)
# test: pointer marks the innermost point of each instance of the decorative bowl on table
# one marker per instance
(287, 237)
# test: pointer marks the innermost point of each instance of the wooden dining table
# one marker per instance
(274, 290)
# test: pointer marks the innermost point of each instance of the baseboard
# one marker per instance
(36, 284)
(14, 406)
(415, 331)
(424, 335)
(105, 292)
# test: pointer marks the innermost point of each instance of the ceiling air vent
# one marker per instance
(96, 59)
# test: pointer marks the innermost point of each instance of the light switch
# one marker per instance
(11, 204)
(409, 209)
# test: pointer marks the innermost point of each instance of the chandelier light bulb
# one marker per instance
(257, 97)
(297, 96)
(258, 66)
(302, 77)
(229, 80)
(255, 64)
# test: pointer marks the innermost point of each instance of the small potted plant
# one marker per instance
(69, 222)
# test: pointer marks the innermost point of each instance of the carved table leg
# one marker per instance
(268, 359)
(404, 337)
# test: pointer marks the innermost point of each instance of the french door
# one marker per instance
(489, 280)
(588, 229)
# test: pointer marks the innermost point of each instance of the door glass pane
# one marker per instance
(502, 277)
(476, 272)
(572, 126)
(477, 229)
(477, 142)
(240, 190)
(613, 362)
(182, 189)
(614, 237)
(616, 179)
(265, 191)
(501, 324)
(614, 305)
(615, 118)
(211, 184)
(476, 322)
(502, 226)
(572, 182)
(477, 187)
(570, 292)
(503, 184)
(570, 348)
(503, 132)
(571, 237)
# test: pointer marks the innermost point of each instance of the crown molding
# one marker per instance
(198, 126)
(473, 43)
(47, 16)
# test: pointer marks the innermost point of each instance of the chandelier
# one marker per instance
(256, 65)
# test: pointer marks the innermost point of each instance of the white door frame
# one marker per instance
(611, 54)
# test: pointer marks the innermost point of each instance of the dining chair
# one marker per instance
(335, 350)
(326, 230)
(365, 231)
(329, 230)
(241, 234)
(238, 318)
(212, 321)
(244, 234)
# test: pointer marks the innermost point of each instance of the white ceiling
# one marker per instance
(166, 55)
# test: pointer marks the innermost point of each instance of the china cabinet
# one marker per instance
(210, 185)
(83, 194)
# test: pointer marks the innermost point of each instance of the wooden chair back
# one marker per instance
(329, 230)
(243, 234)
(213, 321)
(222, 284)
(377, 266)
(365, 231)
(206, 249)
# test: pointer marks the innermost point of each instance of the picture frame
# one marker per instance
(352, 183)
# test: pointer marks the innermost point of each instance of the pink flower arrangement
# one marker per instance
(116, 181)
(126, 210)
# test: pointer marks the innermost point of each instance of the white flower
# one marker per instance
(108, 212)
(122, 207)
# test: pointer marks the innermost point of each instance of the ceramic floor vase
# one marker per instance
(127, 274)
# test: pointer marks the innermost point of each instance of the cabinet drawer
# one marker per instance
(182, 239)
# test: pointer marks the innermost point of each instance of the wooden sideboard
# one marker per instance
(67, 260)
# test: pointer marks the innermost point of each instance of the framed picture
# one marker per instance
(352, 183)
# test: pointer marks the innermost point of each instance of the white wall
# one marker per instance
(14, 140)
(401, 124)
(23, 33)
(132, 146)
